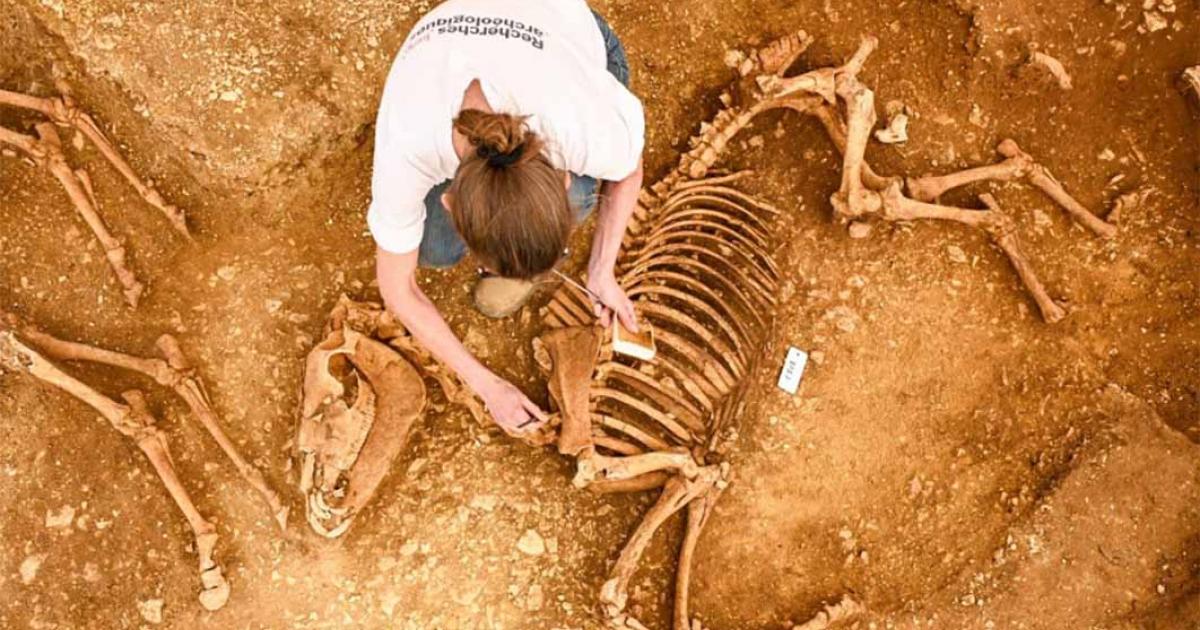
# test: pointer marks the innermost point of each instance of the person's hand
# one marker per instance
(612, 300)
(510, 408)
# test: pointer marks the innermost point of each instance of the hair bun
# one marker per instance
(502, 140)
(496, 159)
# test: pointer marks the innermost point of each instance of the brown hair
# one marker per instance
(509, 203)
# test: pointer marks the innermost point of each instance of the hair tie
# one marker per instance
(497, 159)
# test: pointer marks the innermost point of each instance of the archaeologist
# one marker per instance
(502, 124)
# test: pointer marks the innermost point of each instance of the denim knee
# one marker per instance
(583, 195)
(441, 246)
(618, 63)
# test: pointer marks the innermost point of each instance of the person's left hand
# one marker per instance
(612, 300)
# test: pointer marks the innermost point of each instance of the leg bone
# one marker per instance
(853, 200)
(64, 111)
(1040, 177)
(134, 421)
(175, 372)
(592, 466)
(698, 512)
(1016, 165)
(676, 494)
(998, 226)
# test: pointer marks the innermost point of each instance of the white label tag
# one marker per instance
(793, 369)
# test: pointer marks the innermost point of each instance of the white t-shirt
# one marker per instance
(544, 59)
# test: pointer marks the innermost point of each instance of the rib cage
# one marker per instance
(702, 274)
(697, 261)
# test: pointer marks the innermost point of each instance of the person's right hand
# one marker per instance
(510, 408)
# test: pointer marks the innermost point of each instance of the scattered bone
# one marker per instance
(1129, 202)
(896, 131)
(1053, 66)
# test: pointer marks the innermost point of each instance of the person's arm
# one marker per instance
(617, 202)
(397, 273)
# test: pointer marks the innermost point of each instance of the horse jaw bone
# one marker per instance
(346, 448)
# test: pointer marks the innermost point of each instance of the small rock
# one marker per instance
(1154, 21)
(734, 58)
(860, 229)
(845, 319)
(1041, 220)
(91, 572)
(976, 115)
(30, 566)
(62, 518)
(151, 610)
(817, 357)
(229, 96)
(956, 253)
(476, 343)
(531, 543)
(227, 273)
(484, 502)
(535, 598)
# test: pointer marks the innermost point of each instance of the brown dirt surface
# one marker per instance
(950, 461)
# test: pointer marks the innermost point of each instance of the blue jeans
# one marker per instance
(441, 246)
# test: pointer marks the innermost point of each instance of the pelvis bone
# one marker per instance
(360, 400)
